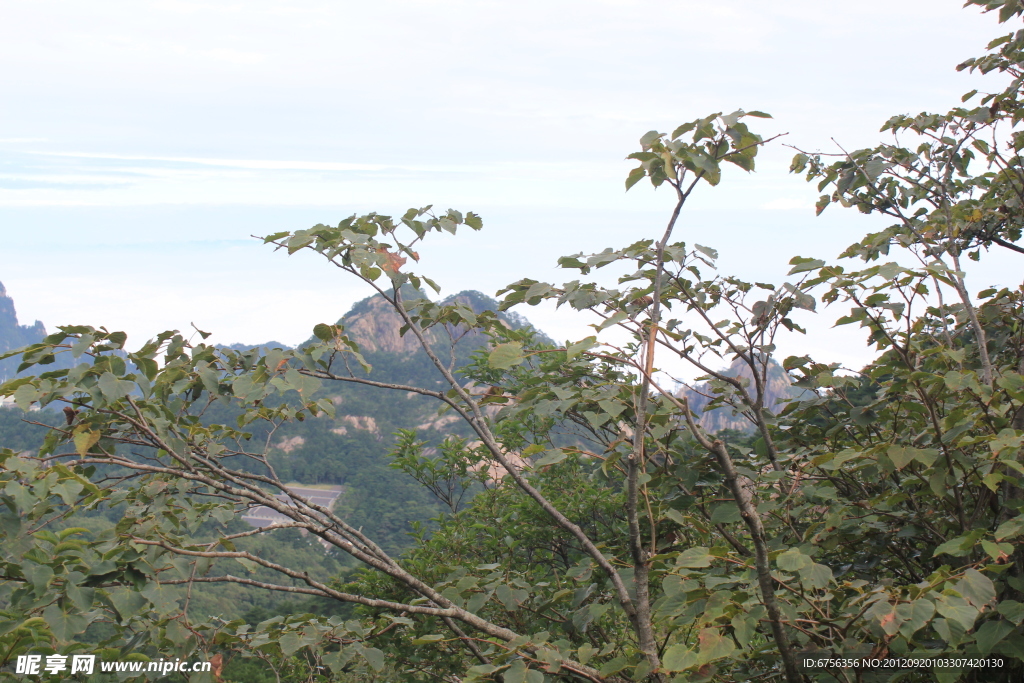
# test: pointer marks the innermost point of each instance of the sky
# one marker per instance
(142, 143)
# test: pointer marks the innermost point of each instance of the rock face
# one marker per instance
(13, 335)
(779, 388)
(375, 326)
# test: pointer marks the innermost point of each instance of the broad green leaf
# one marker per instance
(1012, 610)
(695, 558)
(957, 609)
(977, 588)
(290, 642)
(373, 657)
(39, 575)
(915, 616)
(573, 350)
(1011, 528)
(678, 657)
(85, 439)
(713, 645)
(614, 666)
(551, 457)
(323, 332)
(64, 626)
(990, 633)
(725, 513)
(802, 265)
(113, 388)
(816, 575)
(164, 598)
(505, 356)
(127, 602)
(793, 560)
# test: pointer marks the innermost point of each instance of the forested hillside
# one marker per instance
(350, 448)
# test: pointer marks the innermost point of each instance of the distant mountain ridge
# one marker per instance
(779, 388)
(375, 326)
(13, 335)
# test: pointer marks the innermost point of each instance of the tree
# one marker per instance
(878, 514)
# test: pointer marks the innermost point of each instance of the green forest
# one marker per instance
(519, 510)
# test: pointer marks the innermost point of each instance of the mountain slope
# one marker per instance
(351, 448)
(779, 388)
(13, 335)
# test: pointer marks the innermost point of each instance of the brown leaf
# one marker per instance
(392, 262)
(217, 665)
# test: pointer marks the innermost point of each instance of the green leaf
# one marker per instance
(802, 265)
(678, 657)
(816, 576)
(574, 350)
(164, 598)
(1012, 610)
(714, 645)
(990, 633)
(64, 626)
(957, 610)
(128, 603)
(424, 640)
(505, 356)
(707, 251)
(725, 513)
(373, 657)
(977, 588)
(276, 236)
(290, 642)
(901, 456)
(614, 666)
(695, 558)
(793, 560)
(915, 616)
(323, 332)
(113, 388)
(1010, 528)
(555, 455)
(635, 176)
(957, 547)
(39, 575)
(85, 439)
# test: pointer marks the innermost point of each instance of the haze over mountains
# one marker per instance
(13, 335)
(396, 358)
(350, 449)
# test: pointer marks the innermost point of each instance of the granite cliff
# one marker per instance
(13, 335)
(779, 388)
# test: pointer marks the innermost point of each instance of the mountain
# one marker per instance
(375, 326)
(13, 335)
(779, 388)
(351, 448)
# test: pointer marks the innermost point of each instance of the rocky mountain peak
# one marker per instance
(13, 335)
(778, 388)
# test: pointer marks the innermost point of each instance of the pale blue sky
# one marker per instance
(142, 142)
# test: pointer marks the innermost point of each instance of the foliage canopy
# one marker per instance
(881, 512)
